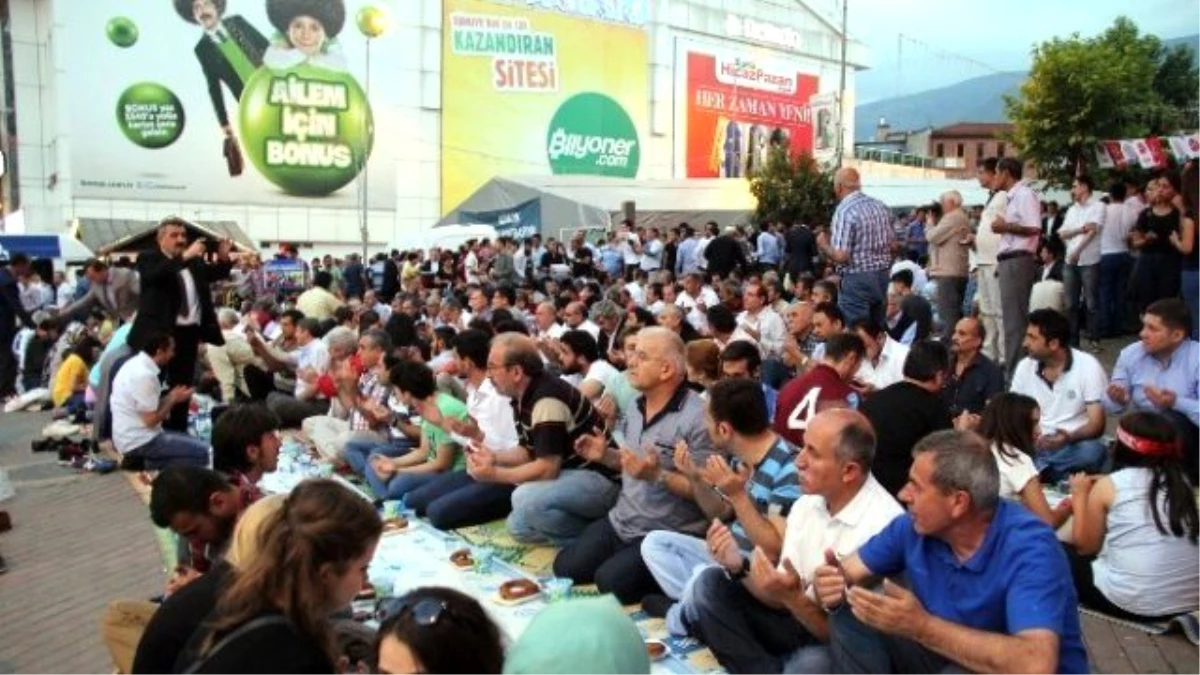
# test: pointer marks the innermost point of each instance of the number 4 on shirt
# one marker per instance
(804, 410)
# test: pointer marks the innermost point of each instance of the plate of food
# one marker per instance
(395, 525)
(462, 559)
(657, 650)
(516, 592)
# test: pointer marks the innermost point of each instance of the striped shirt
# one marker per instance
(862, 226)
(774, 487)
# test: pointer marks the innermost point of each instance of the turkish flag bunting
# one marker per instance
(1156, 151)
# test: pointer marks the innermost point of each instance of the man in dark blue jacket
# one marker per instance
(11, 310)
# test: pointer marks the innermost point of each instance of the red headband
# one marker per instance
(1146, 446)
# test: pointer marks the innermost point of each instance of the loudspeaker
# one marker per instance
(630, 211)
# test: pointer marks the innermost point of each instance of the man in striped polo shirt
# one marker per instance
(753, 493)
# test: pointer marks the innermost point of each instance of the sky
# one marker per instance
(946, 41)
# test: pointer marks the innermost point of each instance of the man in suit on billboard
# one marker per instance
(113, 289)
(229, 51)
(176, 299)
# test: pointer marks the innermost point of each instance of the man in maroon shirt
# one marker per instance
(825, 385)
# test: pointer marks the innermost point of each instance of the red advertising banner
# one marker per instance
(738, 107)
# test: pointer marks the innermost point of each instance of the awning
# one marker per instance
(48, 246)
(106, 236)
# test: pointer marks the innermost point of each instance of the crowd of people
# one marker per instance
(877, 445)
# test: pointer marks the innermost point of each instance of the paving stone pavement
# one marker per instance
(78, 541)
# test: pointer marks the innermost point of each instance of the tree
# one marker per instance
(792, 190)
(1120, 84)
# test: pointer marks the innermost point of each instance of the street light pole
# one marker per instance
(841, 140)
(364, 231)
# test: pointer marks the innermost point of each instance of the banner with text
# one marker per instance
(531, 92)
(253, 102)
(739, 105)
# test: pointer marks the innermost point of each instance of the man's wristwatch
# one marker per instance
(742, 572)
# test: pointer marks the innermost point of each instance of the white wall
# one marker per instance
(40, 29)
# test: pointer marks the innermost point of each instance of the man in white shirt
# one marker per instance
(761, 322)
(138, 411)
(628, 242)
(490, 418)
(471, 265)
(1069, 386)
(1081, 231)
(1020, 228)
(580, 358)
(987, 245)
(724, 328)
(1115, 261)
(760, 615)
(310, 360)
(884, 362)
(577, 319)
(652, 251)
(696, 298)
(545, 320)
(64, 292)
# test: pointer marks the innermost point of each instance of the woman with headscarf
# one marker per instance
(601, 639)
(307, 32)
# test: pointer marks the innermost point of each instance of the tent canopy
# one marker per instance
(48, 246)
(107, 236)
(553, 203)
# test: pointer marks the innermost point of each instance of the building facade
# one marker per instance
(128, 112)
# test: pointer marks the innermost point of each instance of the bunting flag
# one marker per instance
(1157, 155)
(1149, 153)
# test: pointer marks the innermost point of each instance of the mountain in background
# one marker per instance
(980, 99)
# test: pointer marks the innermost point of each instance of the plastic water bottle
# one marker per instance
(204, 424)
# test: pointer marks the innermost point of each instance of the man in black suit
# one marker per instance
(176, 299)
(229, 51)
(801, 250)
(11, 310)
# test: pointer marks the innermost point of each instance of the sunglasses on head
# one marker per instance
(424, 611)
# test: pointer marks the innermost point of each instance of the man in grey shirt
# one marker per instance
(654, 496)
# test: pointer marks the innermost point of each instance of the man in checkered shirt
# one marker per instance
(861, 247)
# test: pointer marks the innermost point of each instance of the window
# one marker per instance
(941, 150)
(979, 151)
(960, 150)
(999, 149)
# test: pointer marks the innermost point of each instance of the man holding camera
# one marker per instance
(176, 299)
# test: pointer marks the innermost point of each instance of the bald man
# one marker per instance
(756, 614)
(860, 247)
(667, 422)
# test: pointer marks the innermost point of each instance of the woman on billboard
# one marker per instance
(307, 32)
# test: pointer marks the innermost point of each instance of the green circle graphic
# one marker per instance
(592, 134)
(121, 31)
(307, 129)
(150, 115)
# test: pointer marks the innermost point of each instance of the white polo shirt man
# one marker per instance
(890, 368)
(1063, 404)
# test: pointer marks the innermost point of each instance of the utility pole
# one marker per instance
(841, 140)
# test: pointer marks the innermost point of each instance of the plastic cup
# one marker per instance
(484, 558)
(558, 588)
(391, 509)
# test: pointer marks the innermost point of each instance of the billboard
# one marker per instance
(738, 105)
(240, 101)
(532, 92)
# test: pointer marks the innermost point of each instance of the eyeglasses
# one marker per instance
(424, 611)
(496, 366)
